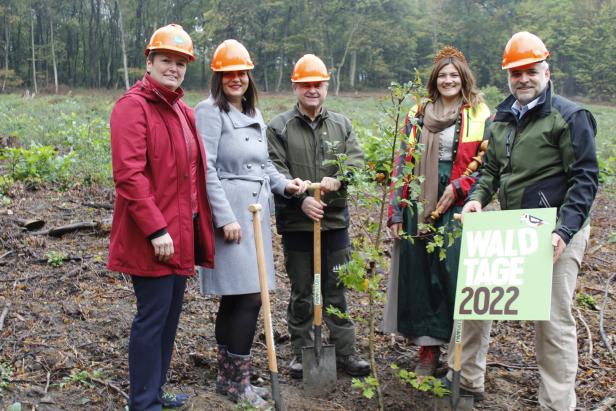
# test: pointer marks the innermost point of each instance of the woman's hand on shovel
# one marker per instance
(297, 186)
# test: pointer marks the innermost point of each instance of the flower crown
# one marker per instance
(449, 52)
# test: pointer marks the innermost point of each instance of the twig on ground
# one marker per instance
(110, 385)
(514, 367)
(594, 250)
(98, 205)
(48, 379)
(69, 228)
(5, 311)
(606, 341)
(596, 289)
(587, 331)
(604, 261)
(607, 404)
(6, 254)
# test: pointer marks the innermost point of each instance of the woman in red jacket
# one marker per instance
(162, 225)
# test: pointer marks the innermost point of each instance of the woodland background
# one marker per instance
(50, 44)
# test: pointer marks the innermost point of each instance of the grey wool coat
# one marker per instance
(239, 173)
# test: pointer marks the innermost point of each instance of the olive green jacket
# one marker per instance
(299, 150)
(545, 159)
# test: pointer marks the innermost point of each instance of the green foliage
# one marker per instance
(39, 163)
(6, 182)
(14, 407)
(367, 386)
(607, 169)
(244, 406)
(493, 96)
(55, 258)
(584, 300)
(421, 383)
(6, 373)
(10, 79)
(78, 126)
(612, 238)
(81, 378)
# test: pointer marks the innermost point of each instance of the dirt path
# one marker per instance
(76, 318)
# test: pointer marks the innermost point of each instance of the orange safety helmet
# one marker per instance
(309, 68)
(173, 38)
(522, 49)
(231, 55)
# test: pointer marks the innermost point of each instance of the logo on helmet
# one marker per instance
(178, 40)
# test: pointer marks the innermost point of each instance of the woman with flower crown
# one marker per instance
(443, 134)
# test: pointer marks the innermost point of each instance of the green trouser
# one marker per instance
(298, 257)
(426, 284)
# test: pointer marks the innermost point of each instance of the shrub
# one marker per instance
(39, 163)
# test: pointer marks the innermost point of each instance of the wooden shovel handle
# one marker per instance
(316, 288)
(255, 209)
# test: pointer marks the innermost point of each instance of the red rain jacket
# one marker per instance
(153, 186)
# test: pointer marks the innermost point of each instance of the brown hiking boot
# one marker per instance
(427, 360)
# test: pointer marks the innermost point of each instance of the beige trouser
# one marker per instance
(555, 340)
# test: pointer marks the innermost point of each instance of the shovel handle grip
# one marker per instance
(255, 209)
(316, 288)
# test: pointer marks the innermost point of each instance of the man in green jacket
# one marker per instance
(541, 153)
(300, 143)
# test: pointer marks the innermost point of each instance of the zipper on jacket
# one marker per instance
(508, 144)
(468, 122)
(508, 150)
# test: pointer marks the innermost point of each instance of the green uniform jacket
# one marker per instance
(546, 159)
(299, 150)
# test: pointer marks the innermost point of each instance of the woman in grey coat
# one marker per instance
(239, 173)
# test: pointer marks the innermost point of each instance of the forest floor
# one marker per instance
(64, 329)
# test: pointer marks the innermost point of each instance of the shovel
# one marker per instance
(255, 209)
(455, 401)
(318, 361)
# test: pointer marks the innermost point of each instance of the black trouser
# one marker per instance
(298, 256)
(159, 304)
(236, 322)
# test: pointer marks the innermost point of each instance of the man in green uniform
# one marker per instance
(541, 153)
(300, 143)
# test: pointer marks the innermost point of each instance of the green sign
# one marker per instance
(505, 270)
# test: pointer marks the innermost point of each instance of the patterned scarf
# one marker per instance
(436, 119)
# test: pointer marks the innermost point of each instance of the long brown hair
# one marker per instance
(249, 99)
(470, 94)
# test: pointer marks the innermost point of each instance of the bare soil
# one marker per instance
(58, 321)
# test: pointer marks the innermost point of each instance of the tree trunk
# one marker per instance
(265, 82)
(287, 23)
(124, 57)
(33, 54)
(353, 68)
(53, 58)
(7, 38)
(346, 51)
(280, 70)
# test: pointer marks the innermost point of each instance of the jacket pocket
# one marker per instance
(546, 193)
(154, 142)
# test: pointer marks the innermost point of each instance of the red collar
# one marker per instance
(170, 96)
